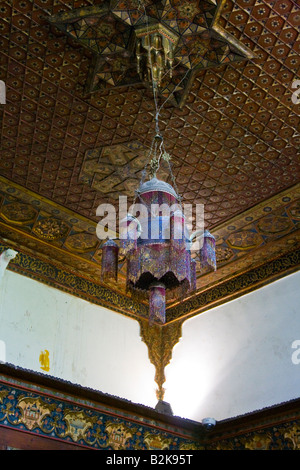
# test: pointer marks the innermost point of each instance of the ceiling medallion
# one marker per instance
(163, 43)
(115, 170)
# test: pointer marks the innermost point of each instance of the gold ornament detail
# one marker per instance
(81, 242)
(164, 46)
(118, 435)
(78, 423)
(155, 52)
(3, 394)
(51, 228)
(156, 441)
(244, 240)
(259, 442)
(33, 412)
(18, 213)
(293, 435)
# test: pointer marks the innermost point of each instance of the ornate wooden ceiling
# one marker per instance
(234, 145)
(181, 39)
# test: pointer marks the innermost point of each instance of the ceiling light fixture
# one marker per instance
(154, 237)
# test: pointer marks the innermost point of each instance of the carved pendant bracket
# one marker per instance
(160, 341)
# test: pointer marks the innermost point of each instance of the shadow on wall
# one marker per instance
(238, 357)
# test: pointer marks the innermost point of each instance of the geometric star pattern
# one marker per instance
(235, 142)
(112, 30)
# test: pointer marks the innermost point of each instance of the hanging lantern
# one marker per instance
(208, 251)
(193, 275)
(157, 244)
(162, 252)
(157, 248)
(177, 229)
(157, 302)
(129, 233)
(109, 267)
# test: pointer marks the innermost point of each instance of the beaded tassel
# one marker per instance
(109, 265)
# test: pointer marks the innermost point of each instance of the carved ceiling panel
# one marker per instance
(180, 38)
(116, 170)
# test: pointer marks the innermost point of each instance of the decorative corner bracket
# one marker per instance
(160, 341)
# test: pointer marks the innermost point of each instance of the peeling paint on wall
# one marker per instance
(45, 360)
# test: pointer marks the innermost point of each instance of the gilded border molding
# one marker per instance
(27, 408)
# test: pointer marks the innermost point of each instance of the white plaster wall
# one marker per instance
(230, 360)
(88, 345)
(237, 358)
